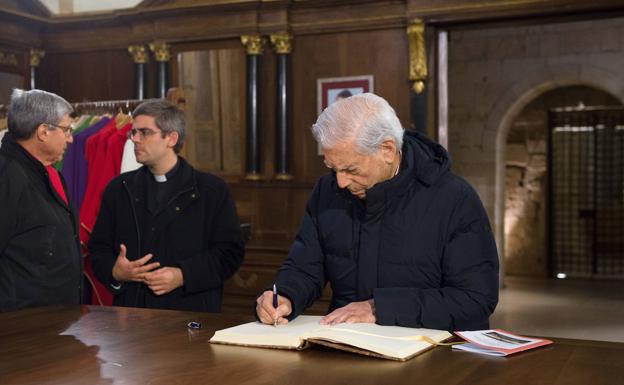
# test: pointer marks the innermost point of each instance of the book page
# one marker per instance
(392, 341)
(478, 349)
(259, 334)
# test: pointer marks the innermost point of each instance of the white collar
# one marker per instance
(160, 178)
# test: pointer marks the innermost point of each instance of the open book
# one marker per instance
(497, 342)
(391, 342)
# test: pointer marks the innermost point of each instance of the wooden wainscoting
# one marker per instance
(274, 211)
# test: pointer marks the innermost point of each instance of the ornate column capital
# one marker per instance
(35, 57)
(254, 44)
(138, 53)
(282, 43)
(9, 59)
(417, 54)
(162, 50)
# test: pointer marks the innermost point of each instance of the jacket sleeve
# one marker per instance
(468, 293)
(224, 255)
(101, 246)
(9, 202)
(302, 278)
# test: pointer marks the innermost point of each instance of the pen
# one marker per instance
(275, 303)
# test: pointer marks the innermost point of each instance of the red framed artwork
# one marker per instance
(328, 90)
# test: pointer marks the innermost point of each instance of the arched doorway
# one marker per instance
(526, 175)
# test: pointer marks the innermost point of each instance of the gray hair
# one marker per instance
(366, 117)
(29, 109)
(168, 118)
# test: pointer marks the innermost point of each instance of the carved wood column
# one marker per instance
(282, 44)
(35, 59)
(140, 58)
(418, 74)
(254, 45)
(162, 54)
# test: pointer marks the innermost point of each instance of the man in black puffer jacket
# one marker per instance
(40, 258)
(400, 238)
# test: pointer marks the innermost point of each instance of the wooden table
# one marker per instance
(105, 345)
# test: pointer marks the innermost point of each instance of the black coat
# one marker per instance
(40, 258)
(420, 245)
(198, 231)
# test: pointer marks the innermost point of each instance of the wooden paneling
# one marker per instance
(463, 11)
(381, 53)
(274, 211)
(19, 31)
(89, 76)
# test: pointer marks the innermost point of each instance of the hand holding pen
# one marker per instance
(272, 308)
(276, 316)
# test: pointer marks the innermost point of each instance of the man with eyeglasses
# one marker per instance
(167, 236)
(40, 257)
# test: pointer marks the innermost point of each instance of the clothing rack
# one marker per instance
(107, 106)
(174, 95)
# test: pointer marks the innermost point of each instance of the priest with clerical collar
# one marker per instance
(167, 236)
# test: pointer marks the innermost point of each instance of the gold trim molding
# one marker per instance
(254, 44)
(282, 43)
(35, 57)
(283, 176)
(253, 176)
(138, 53)
(8, 59)
(162, 50)
(417, 55)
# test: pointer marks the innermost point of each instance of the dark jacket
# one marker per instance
(197, 231)
(40, 258)
(420, 245)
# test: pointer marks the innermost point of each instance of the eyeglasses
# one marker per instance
(143, 132)
(67, 130)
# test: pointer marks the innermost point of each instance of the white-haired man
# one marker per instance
(401, 239)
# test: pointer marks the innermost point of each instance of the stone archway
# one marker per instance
(516, 99)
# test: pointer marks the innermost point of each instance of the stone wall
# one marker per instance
(526, 204)
(495, 72)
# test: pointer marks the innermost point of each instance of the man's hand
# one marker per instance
(125, 270)
(268, 314)
(355, 312)
(164, 280)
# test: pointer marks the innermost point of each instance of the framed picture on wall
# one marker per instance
(328, 90)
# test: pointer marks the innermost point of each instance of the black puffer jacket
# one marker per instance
(420, 245)
(40, 258)
(198, 231)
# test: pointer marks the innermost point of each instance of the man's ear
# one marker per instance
(173, 139)
(388, 150)
(42, 132)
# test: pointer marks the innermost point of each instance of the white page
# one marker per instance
(256, 333)
(380, 339)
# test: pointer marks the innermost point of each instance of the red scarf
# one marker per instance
(56, 182)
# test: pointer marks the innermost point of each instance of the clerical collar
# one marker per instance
(160, 178)
(167, 176)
